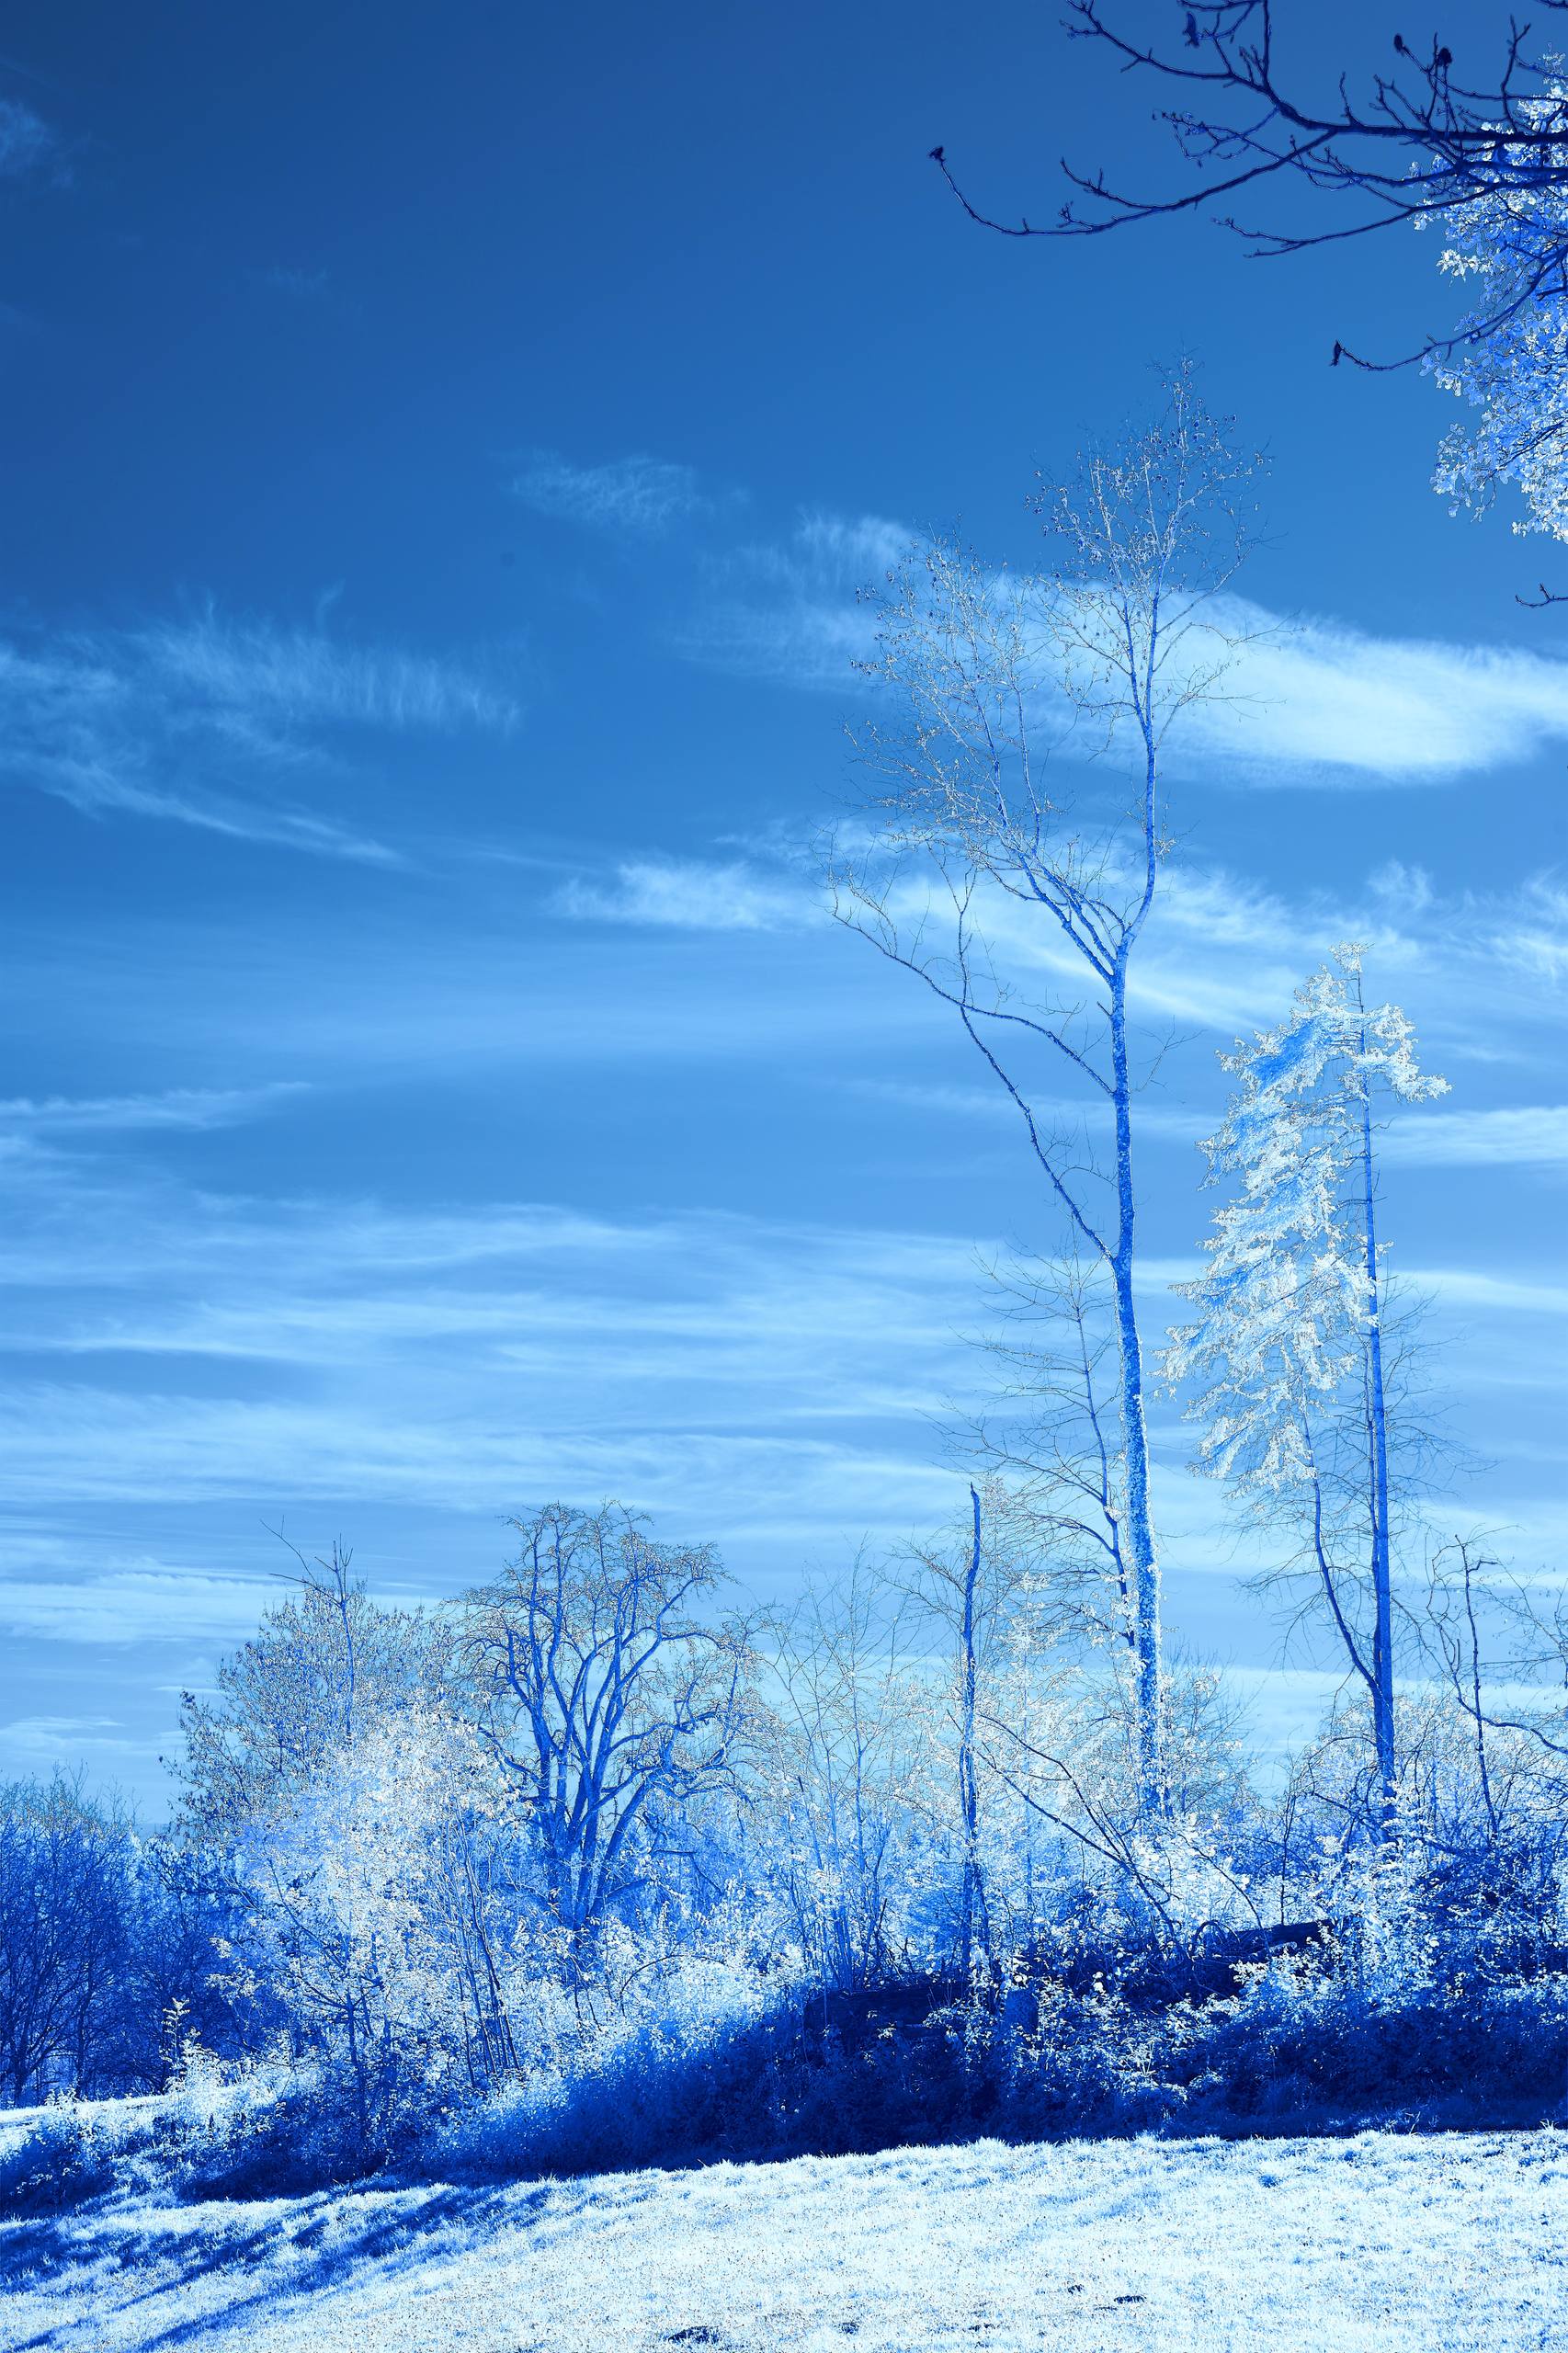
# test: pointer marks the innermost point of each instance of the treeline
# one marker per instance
(593, 1863)
(108, 1946)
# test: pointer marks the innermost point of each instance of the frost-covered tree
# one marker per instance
(1021, 912)
(1288, 1352)
(1431, 140)
(386, 1915)
(323, 1666)
(1257, 105)
(1508, 359)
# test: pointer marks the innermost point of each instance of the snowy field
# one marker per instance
(1442, 2244)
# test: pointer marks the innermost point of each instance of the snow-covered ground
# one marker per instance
(1442, 2243)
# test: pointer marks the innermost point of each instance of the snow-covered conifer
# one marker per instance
(1287, 1357)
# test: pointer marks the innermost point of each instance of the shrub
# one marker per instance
(65, 2155)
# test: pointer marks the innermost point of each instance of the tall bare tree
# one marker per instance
(1020, 910)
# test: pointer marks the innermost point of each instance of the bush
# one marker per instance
(222, 2131)
(1296, 2050)
(1285, 2054)
(65, 2155)
(1460, 2052)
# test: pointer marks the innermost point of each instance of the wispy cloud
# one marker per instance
(304, 285)
(39, 1744)
(138, 1601)
(790, 613)
(1462, 1288)
(642, 496)
(201, 721)
(30, 148)
(752, 1372)
(689, 895)
(1315, 701)
(1222, 955)
(1309, 700)
(102, 788)
(1534, 1135)
(211, 1107)
(1161, 1123)
(737, 1371)
(1531, 934)
(249, 672)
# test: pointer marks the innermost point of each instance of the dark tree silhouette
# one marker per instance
(1412, 145)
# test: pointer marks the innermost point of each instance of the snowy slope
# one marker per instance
(1327, 2246)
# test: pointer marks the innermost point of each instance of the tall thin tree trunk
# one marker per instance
(976, 1926)
(1135, 1434)
(1377, 1432)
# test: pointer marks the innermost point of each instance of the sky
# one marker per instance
(443, 449)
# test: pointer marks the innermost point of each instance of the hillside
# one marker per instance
(1380, 2241)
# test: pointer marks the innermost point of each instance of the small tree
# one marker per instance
(611, 1695)
(1049, 1437)
(1290, 1351)
(1501, 1651)
(971, 1585)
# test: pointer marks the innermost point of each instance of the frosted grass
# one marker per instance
(1384, 2241)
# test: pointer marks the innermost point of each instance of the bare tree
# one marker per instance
(1048, 1436)
(976, 1927)
(967, 1587)
(845, 1774)
(1485, 1626)
(1005, 900)
(610, 1691)
(1488, 1746)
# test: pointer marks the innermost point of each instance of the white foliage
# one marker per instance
(1285, 1301)
(375, 1904)
(1509, 358)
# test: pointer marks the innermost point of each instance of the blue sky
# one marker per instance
(441, 456)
